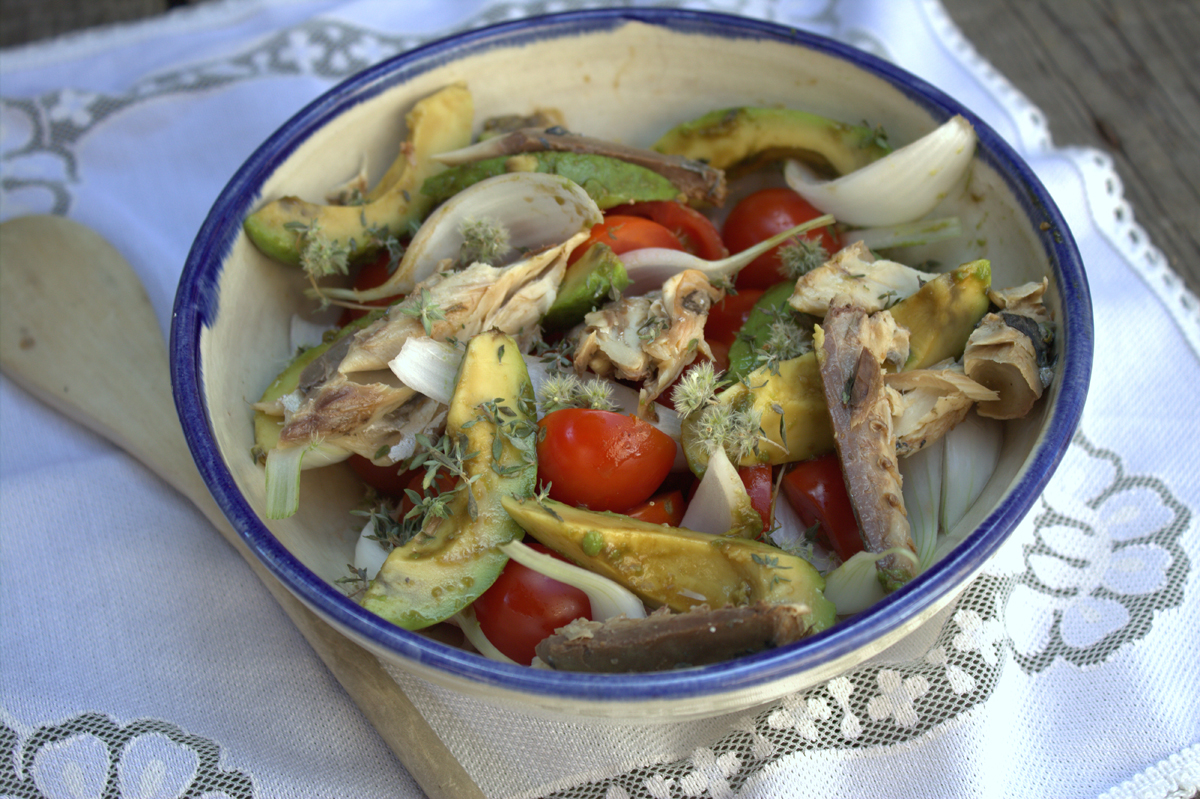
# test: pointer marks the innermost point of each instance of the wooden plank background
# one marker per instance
(1119, 75)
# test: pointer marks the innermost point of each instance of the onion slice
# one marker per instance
(609, 598)
(721, 505)
(649, 268)
(901, 187)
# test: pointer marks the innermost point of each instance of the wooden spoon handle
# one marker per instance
(78, 331)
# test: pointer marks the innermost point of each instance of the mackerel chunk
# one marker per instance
(664, 641)
(851, 347)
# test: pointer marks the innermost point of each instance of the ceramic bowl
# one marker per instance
(627, 75)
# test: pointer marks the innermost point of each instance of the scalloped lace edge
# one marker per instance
(1177, 777)
(1109, 210)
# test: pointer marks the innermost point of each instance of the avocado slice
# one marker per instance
(757, 328)
(453, 560)
(941, 314)
(800, 432)
(674, 566)
(436, 124)
(728, 137)
(609, 181)
(267, 427)
(596, 277)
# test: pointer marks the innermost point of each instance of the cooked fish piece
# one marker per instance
(698, 181)
(650, 338)
(350, 397)
(664, 640)
(871, 283)
(1025, 299)
(928, 403)
(851, 347)
(511, 299)
(1011, 351)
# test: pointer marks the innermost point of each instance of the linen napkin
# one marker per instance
(140, 657)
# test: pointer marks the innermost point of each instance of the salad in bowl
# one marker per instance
(561, 405)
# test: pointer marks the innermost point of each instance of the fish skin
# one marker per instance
(851, 348)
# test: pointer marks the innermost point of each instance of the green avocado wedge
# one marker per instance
(746, 348)
(943, 312)
(731, 136)
(454, 559)
(281, 229)
(673, 566)
(608, 181)
(591, 281)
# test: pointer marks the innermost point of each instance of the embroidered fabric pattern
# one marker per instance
(93, 755)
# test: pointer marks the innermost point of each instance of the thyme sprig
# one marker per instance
(800, 256)
(565, 390)
(320, 256)
(422, 307)
(716, 423)
(484, 241)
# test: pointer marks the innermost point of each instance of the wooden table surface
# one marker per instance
(1119, 75)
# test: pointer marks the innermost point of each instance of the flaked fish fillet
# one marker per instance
(928, 403)
(870, 283)
(651, 338)
(851, 347)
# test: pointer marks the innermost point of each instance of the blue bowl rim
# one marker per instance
(196, 305)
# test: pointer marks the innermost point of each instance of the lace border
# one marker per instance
(1111, 213)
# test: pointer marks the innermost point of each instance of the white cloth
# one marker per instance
(134, 638)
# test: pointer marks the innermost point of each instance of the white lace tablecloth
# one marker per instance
(140, 657)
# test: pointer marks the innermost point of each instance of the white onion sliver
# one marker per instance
(972, 452)
(609, 598)
(854, 586)
(720, 501)
(474, 633)
(901, 187)
(790, 535)
(922, 476)
(428, 367)
(369, 554)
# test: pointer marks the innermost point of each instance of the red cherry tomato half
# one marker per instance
(725, 318)
(388, 480)
(695, 231)
(758, 482)
(626, 233)
(602, 460)
(372, 274)
(524, 607)
(665, 508)
(817, 492)
(758, 217)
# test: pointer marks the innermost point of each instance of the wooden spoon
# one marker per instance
(51, 265)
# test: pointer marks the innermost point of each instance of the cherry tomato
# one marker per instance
(695, 232)
(388, 480)
(817, 491)
(665, 508)
(372, 274)
(758, 482)
(726, 317)
(758, 217)
(602, 460)
(524, 607)
(625, 233)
